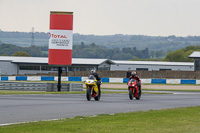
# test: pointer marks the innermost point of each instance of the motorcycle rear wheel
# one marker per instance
(97, 98)
(88, 93)
(139, 94)
(131, 94)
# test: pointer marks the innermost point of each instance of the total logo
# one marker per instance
(56, 36)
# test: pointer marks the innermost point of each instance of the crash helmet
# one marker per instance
(92, 71)
(133, 74)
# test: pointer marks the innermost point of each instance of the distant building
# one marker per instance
(11, 65)
(196, 56)
(121, 65)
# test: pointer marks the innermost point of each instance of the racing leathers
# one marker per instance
(136, 77)
(98, 79)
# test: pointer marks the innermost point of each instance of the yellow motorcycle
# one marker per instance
(92, 88)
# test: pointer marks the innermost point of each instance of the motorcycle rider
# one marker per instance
(136, 77)
(95, 74)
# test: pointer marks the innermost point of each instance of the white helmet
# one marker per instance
(92, 71)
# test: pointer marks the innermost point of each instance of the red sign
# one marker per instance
(60, 38)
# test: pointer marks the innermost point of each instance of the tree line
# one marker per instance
(9, 50)
(181, 55)
(163, 44)
(79, 51)
(96, 51)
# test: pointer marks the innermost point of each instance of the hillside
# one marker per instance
(153, 43)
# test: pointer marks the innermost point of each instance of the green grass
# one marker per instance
(180, 120)
(149, 89)
(170, 90)
(172, 84)
(9, 92)
(51, 81)
(106, 83)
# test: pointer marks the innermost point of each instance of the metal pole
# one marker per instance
(40, 70)
(59, 78)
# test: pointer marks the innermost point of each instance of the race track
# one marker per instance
(24, 108)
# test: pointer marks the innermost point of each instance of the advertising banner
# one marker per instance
(60, 38)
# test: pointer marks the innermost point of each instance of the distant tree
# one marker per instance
(175, 56)
(134, 49)
(135, 58)
(82, 45)
(33, 50)
(3, 55)
(172, 37)
(146, 53)
(182, 54)
(194, 48)
(8, 49)
(21, 53)
(92, 44)
(187, 53)
(160, 54)
(44, 48)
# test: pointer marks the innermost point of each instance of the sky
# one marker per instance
(106, 17)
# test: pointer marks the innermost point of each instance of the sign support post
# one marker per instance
(59, 78)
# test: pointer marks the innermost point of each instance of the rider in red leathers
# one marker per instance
(136, 77)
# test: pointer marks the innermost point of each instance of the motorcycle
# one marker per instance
(134, 90)
(92, 88)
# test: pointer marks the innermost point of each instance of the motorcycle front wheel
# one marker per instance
(131, 94)
(88, 93)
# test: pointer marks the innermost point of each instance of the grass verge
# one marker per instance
(107, 83)
(149, 89)
(170, 90)
(10, 92)
(3, 92)
(180, 120)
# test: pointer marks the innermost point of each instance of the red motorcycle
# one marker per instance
(134, 90)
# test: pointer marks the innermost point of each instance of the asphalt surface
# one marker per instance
(25, 108)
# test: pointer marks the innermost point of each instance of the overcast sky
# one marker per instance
(106, 17)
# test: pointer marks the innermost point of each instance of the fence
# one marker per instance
(31, 86)
(143, 74)
(109, 80)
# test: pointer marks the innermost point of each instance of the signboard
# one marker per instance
(60, 38)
